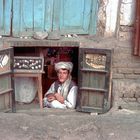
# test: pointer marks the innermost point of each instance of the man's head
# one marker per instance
(63, 70)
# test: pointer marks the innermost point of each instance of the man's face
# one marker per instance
(63, 75)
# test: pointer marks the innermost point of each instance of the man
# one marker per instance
(63, 92)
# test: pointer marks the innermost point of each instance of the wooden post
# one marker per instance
(137, 30)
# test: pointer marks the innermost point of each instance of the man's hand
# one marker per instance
(59, 98)
(51, 97)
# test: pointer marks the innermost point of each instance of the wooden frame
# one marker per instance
(30, 67)
(28, 64)
(94, 80)
(6, 70)
(136, 49)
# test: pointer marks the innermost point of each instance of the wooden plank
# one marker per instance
(93, 89)
(136, 49)
(75, 16)
(38, 15)
(27, 17)
(5, 82)
(6, 91)
(1, 17)
(16, 26)
(5, 72)
(90, 109)
(85, 80)
(93, 80)
(56, 15)
(7, 24)
(48, 19)
(93, 21)
(23, 17)
(5, 17)
(85, 98)
(30, 16)
(96, 99)
(93, 70)
(2, 102)
(7, 97)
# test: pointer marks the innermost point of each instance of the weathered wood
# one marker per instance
(92, 89)
(96, 99)
(100, 71)
(6, 80)
(94, 79)
(136, 50)
(6, 91)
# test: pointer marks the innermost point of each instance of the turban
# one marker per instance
(64, 65)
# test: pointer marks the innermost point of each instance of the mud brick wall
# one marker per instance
(126, 76)
(126, 66)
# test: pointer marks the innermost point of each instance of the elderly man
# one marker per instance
(63, 92)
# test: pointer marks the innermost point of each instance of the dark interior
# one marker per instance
(51, 55)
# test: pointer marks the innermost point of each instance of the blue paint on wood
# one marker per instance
(93, 18)
(66, 16)
(5, 16)
(16, 17)
(48, 20)
(22, 17)
(75, 16)
(31, 15)
(27, 21)
(39, 15)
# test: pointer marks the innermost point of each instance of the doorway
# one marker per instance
(91, 72)
(57, 54)
(51, 55)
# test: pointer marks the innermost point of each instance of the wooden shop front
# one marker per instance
(91, 72)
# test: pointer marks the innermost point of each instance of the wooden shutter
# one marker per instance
(75, 16)
(30, 16)
(5, 17)
(137, 30)
(7, 96)
(94, 80)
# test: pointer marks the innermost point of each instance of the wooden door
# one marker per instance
(7, 96)
(94, 80)
(75, 16)
(24, 17)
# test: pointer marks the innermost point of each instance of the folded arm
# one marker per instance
(70, 102)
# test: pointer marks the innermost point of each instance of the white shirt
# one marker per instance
(70, 101)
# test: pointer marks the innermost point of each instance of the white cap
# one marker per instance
(64, 65)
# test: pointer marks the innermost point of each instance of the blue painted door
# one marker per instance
(75, 16)
(5, 16)
(65, 16)
(31, 15)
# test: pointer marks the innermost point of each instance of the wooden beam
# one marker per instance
(137, 30)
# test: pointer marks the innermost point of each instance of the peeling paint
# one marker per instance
(127, 12)
(111, 18)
